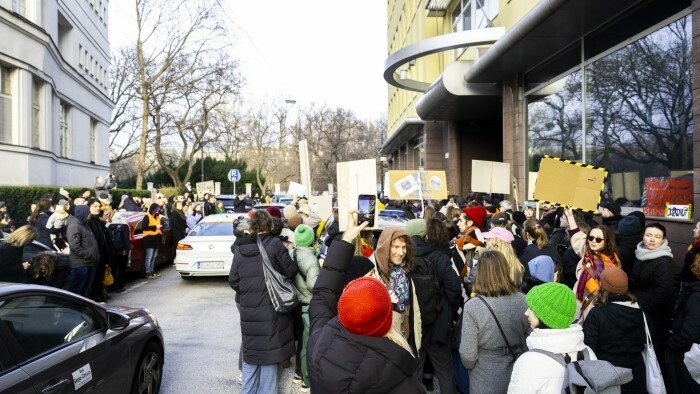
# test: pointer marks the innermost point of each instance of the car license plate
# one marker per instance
(211, 266)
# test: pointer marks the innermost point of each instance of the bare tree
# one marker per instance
(172, 38)
(125, 122)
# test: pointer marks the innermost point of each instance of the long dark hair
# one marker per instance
(44, 204)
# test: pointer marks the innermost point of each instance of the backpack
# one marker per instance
(119, 234)
(589, 376)
(428, 289)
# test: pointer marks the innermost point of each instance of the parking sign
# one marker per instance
(234, 175)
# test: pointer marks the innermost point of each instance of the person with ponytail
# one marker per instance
(537, 244)
(599, 253)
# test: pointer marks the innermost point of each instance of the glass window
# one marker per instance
(36, 113)
(640, 112)
(638, 119)
(40, 323)
(212, 229)
(554, 121)
(93, 139)
(64, 137)
(5, 105)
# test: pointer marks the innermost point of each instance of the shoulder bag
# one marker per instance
(514, 354)
(282, 292)
(655, 382)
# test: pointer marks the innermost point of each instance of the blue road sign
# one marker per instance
(234, 175)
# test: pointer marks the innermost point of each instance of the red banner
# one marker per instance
(659, 191)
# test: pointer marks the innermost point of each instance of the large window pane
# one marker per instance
(554, 121)
(639, 112)
(5, 105)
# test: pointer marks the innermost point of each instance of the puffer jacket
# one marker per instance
(535, 372)
(84, 251)
(367, 364)
(267, 334)
(616, 334)
(309, 269)
(451, 300)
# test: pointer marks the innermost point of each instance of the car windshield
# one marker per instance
(212, 229)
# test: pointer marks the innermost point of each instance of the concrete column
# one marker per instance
(515, 134)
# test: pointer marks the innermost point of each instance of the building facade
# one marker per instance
(600, 82)
(54, 105)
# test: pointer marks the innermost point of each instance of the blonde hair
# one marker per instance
(22, 236)
(492, 276)
(515, 267)
(536, 233)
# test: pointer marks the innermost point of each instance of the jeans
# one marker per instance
(80, 280)
(149, 259)
(259, 379)
(305, 340)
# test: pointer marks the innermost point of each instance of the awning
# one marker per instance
(450, 98)
(409, 129)
(553, 26)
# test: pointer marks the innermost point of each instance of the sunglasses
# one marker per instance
(595, 239)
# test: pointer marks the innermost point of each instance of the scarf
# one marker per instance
(593, 265)
(467, 238)
(399, 285)
(644, 254)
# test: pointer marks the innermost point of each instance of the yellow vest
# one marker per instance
(152, 222)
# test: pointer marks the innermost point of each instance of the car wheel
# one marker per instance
(149, 370)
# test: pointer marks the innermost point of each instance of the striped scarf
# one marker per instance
(593, 265)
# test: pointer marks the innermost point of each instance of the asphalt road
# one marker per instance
(201, 328)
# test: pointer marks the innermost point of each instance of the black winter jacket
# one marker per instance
(616, 334)
(178, 225)
(532, 251)
(342, 362)
(653, 282)
(569, 261)
(424, 256)
(83, 246)
(686, 320)
(267, 334)
(11, 269)
(626, 245)
(43, 233)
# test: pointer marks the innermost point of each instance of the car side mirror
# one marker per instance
(117, 321)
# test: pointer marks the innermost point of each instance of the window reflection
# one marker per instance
(638, 119)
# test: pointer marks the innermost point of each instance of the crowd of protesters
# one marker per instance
(480, 295)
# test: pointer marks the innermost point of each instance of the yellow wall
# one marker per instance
(408, 23)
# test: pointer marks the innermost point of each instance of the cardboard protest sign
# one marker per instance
(531, 182)
(296, 189)
(414, 185)
(566, 182)
(660, 191)
(355, 178)
(490, 177)
(205, 187)
(625, 184)
(322, 205)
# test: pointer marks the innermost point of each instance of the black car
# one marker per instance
(53, 341)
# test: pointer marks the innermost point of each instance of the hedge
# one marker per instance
(18, 199)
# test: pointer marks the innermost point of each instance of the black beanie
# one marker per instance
(359, 267)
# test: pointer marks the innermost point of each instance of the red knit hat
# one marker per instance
(477, 214)
(274, 212)
(364, 307)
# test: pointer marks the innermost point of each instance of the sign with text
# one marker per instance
(662, 191)
(414, 185)
(566, 182)
(355, 178)
(490, 177)
(205, 187)
(679, 211)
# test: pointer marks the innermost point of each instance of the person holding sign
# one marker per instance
(598, 254)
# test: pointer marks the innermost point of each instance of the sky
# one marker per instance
(311, 51)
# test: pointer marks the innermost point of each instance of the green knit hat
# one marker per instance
(553, 303)
(303, 235)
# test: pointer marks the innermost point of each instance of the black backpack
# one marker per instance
(428, 288)
(119, 233)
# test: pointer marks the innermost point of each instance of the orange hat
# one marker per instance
(364, 307)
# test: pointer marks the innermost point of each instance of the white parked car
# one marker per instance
(206, 250)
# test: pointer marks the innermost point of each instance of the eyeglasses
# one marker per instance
(595, 239)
